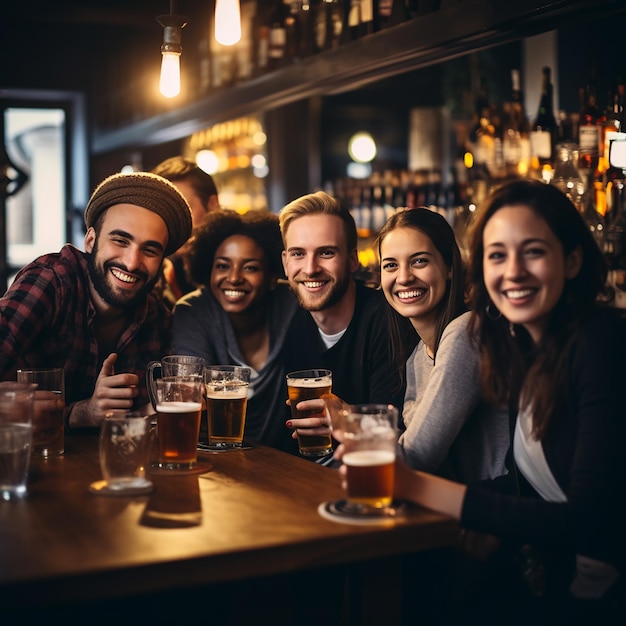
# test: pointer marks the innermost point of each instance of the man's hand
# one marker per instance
(112, 391)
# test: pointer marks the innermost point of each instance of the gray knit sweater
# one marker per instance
(450, 431)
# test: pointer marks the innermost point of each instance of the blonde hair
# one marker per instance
(318, 203)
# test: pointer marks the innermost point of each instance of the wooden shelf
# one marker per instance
(457, 28)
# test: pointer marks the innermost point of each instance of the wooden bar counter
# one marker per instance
(241, 538)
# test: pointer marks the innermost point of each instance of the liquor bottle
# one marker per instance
(306, 44)
(277, 37)
(589, 128)
(391, 13)
(334, 24)
(261, 40)
(366, 25)
(613, 123)
(204, 66)
(319, 9)
(293, 34)
(515, 140)
(352, 20)
(543, 131)
(483, 135)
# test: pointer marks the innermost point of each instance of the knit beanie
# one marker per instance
(149, 191)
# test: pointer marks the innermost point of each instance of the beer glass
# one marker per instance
(370, 438)
(178, 410)
(16, 416)
(226, 401)
(48, 419)
(309, 385)
(172, 365)
(124, 452)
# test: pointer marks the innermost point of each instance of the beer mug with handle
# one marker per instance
(178, 410)
(172, 365)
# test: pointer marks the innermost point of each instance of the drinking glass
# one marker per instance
(308, 385)
(226, 400)
(370, 439)
(48, 419)
(124, 454)
(172, 365)
(16, 419)
(178, 409)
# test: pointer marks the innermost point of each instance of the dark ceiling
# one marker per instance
(64, 44)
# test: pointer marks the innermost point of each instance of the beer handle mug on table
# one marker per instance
(17, 402)
(49, 415)
(370, 439)
(309, 385)
(172, 365)
(178, 411)
(226, 402)
(124, 454)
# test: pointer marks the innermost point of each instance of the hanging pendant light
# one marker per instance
(227, 22)
(173, 24)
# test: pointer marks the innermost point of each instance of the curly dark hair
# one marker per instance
(260, 226)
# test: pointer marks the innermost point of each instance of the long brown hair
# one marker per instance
(512, 367)
(437, 229)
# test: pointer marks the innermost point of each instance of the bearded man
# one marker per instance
(342, 323)
(95, 313)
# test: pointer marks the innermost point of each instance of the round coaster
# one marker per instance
(207, 447)
(102, 488)
(200, 468)
(342, 511)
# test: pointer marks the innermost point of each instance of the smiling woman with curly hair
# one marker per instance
(240, 312)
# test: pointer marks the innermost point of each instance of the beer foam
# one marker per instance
(232, 393)
(178, 407)
(309, 383)
(368, 458)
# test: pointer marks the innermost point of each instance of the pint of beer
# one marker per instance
(179, 406)
(370, 436)
(227, 400)
(48, 420)
(309, 385)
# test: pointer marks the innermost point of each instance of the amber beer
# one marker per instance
(370, 439)
(309, 385)
(226, 413)
(370, 477)
(48, 423)
(178, 428)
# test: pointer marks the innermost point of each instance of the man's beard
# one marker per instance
(113, 298)
(335, 294)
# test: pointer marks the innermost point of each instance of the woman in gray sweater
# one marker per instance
(449, 429)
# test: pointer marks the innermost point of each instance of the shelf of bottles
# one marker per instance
(282, 32)
(583, 153)
(234, 154)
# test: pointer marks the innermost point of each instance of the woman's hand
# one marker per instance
(317, 421)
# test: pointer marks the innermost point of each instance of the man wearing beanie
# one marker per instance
(95, 313)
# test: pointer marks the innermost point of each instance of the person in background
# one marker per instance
(450, 429)
(341, 324)
(95, 313)
(200, 192)
(556, 356)
(241, 313)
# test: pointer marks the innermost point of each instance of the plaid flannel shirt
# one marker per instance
(47, 320)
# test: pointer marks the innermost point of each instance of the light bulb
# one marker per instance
(362, 147)
(169, 85)
(227, 22)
